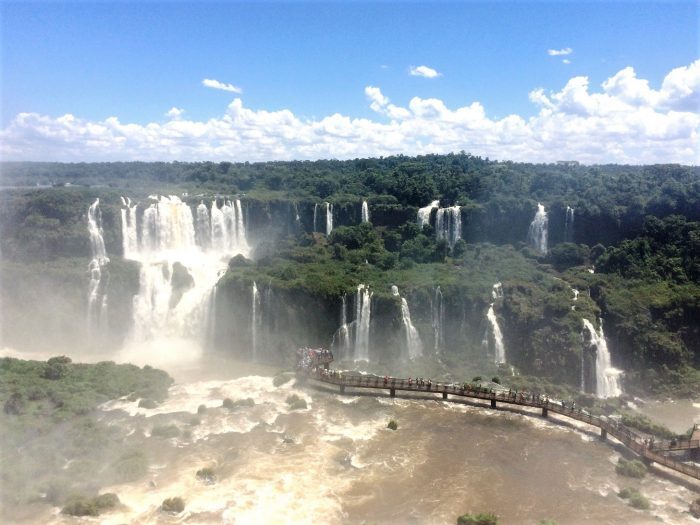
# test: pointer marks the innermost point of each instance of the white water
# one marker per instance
(97, 298)
(329, 218)
(344, 330)
(363, 312)
(537, 234)
(130, 241)
(448, 224)
(365, 212)
(413, 346)
(607, 377)
(424, 213)
(165, 318)
(569, 225)
(315, 227)
(498, 345)
(438, 320)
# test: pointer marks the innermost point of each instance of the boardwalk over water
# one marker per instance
(650, 453)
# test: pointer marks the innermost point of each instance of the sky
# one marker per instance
(539, 81)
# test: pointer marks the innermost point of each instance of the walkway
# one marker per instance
(607, 426)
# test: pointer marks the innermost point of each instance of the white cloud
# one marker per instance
(565, 61)
(174, 113)
(625, 120)
(559, 52)
(215, 84)
(424, 71)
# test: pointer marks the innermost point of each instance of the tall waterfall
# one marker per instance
(329, 218)
(498, 345)
(255, 306)
(448, 224)
(607, 377)
(315, 227)
(97, 297)
(413, 343)
(344, 331)
(180, 264)
(537, 234)
(569, 225)
(365, 211)
(130, 242)
(363, 312)
(438, 320)
(424, 213)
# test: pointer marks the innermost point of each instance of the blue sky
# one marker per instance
(136, 61)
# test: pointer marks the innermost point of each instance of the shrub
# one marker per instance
(174, 505)
(296, 403)
(393, 425)
(476, 379)
(639, 502)
(130, 466)
(631, 469)
(227, 403)
(230, 404)
(147, 403)
(201, 410)
(478, 519)
(84, 506)
(496, 380)
(165, 431)
(206, 475)
(281, 379)
(15, 405)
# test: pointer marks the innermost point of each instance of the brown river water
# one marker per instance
(341, 465)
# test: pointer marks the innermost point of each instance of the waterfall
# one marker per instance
(424, 213)
(315, 228)
(255, 304)
(607, 377)
(365, 211)
(437, 311)
(202, 226)
(412, 342)
(498, 345)
(537, 234)
(181, 261)
(569, 225)
(329, 218)
(448, 224)
(129, 230)
(363, 312)
(342, 346)
(97, 298)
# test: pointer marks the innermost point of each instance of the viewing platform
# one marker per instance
(649, 451)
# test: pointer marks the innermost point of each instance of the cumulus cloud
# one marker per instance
(215, 84)
(565, 61)
(174, 113)
(623, 120)
(559, 52)
(423, 71)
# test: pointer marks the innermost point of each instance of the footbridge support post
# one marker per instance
(545, 412)
(493, 403)
(444, 395)
(603, 434)
(392, 392)
(342, 389)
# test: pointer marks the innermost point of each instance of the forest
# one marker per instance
(633, 251)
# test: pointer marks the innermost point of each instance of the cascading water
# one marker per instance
(202, 226)
(537, 234)
(498, 345)
(607, 377)
(97, 298)
(413, 343)
(448, 224)
(178, 272)
(365, 211)
(424, 213)
(315, 227)
(363, 312)
(255, 306)
(341, 339)
(130, 242)
(329, 218)
(438, 320)
(569, 225)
